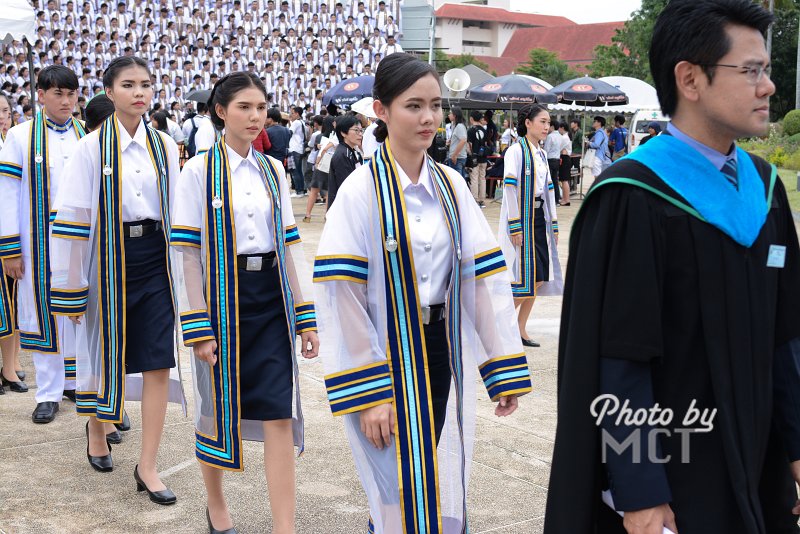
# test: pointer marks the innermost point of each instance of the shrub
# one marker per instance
(778, 157)
(791, 123)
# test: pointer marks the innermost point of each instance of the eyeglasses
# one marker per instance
(754, 73)
(356, 130)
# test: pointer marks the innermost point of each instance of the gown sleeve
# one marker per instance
(354, 356)
(188, 204)
(70, 233)
(11, 160)
(512, 167)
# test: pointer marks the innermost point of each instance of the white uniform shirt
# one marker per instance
(205, 136)
(514, 166)
(140, 194)
(252, 209)
(297, 141)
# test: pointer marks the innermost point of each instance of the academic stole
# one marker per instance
(110, 240)
(223, 450)
(525, 286)
(46, 339)
(417, 461)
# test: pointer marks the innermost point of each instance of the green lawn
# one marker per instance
(790, 182)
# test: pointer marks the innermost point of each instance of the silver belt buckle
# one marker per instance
(254, 263)
(136, 231)
(537, 204)
(426, 315)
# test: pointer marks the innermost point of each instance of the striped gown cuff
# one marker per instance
(515, 226)
(292, 235)
(184, 236)
(489, 262)
(360, 388)
(69, 301)
(510, 181)
(71, 230)
(70, 368)
(506, 375)
(555, 226)
(196, 327)
(305, 317)
(346, 268)
(11, 170)
(86, 403)
(10, 246)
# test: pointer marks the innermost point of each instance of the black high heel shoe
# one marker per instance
(164, 497)
(21, 375)
(103, 464)
(16, 387)
(212, 530)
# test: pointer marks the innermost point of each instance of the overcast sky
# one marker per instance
(582, 11)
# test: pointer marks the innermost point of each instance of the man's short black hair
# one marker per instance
(619, 119)
(695, 31)
(57, 77)
(601, 120)
(274, 114)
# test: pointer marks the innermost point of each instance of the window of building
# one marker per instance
(482, 24)
(480, 44)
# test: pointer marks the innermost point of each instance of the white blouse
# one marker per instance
(140, 194)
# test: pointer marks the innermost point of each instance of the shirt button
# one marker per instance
(138, 217)
(251, 237)
(250, 214)
(418, 218)
(249, 192)
(138, 171)
(62, 137)
(427, 247)
(138, 193)
(424, 277)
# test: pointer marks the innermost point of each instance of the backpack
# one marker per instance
(479, 146)
(191, 146)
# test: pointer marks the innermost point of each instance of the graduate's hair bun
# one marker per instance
(528, 112)
(226, 88)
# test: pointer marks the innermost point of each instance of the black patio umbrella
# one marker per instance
(199, 95)
(349, 91)
(511, 89)
(588, 91)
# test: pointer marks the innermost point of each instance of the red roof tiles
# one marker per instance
(573, 44)
(496, 14)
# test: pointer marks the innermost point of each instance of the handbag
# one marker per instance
(588, 158)
(325, 162)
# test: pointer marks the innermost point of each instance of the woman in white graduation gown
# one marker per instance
(413, 299)
(110, 265)
(237, 252)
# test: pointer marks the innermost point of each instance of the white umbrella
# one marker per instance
(17, 20)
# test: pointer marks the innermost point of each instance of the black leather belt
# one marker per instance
(433, 314)
(255, 262)
(141, 228)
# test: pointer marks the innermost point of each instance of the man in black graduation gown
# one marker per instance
(682, 298)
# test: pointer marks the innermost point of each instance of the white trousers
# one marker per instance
(50, 380)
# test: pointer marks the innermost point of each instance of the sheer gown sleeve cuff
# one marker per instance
(506, 375)
(305, 317)
(515, 226)
(360, 388)
(196, 327)
(10, 247)
(70, 302)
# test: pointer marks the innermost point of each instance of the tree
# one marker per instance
(545, 65)
(784, 61)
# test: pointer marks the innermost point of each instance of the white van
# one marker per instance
(641, 120)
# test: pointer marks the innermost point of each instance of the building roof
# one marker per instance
(573, 44)
(496, 14)
(500, 65)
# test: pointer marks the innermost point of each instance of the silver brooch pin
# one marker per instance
(391, 244)
(38, 158)
(458, 252)
(216, 202)
(107, 170)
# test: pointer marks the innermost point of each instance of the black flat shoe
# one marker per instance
(212, 530)
(125, 425)
(114, 437)
(16, 387)
(21, 375)
(70, 394)
(103, 464)
(529, 342)
(164, 497)
(2, 390)
(45, 412)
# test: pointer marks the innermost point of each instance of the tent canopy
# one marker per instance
(17, 20)
(640, 95)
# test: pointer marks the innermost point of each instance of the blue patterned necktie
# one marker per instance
(729, 170)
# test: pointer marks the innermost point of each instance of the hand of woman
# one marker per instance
(206, 351)
(377, 424)
(307, 338)
(506, 406)
(76, 319)
(516, 240)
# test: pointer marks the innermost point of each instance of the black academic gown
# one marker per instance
(649, 282)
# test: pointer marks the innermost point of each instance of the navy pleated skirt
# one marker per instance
(265, 351)
(541, 252)
(150, 318)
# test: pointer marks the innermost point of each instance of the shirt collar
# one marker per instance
(716, 158)
(60, 128)
(424, 179)
(235, 160)
(139, 137)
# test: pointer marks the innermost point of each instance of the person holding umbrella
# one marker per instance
(528, 224)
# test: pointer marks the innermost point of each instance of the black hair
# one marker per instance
(202, 107)
(226, 88)
(396, 73)
(298, 109)
(696, 31)
(98, 110)
(458, 114)
(476, 115)
(619, 119)
(161, 119)
(118, 64)
(343, 125)
(327, 125)
(528, 112)
(318, 119)
(601, 120)
(57, 77)
(274, 114)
